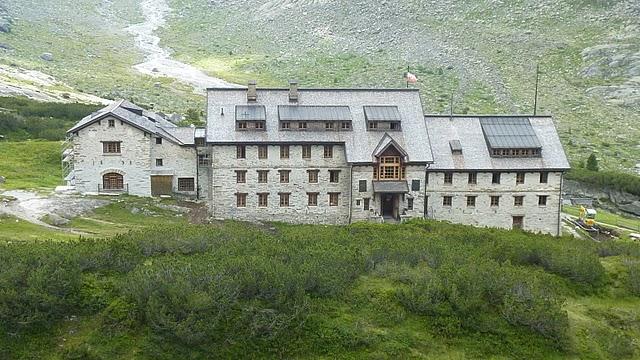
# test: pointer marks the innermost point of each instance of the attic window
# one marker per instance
(456, 147)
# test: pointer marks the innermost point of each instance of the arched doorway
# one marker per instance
(112, 181)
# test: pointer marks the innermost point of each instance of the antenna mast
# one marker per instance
(535, 100)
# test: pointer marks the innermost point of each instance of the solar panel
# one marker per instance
(382, 113)
(251, 113)
(509, 133)
(313, 113)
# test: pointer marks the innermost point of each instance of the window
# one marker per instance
(159, 141)
(259, 125)
(518, 222)
(394, 126)
(366, 204)
(112, 123)
(263, 199)
(158, 162)
(333, 199)
(241, 200)
(415, 185)
(306, 151)
(285, 125)
(358, 202)
(284, 151)
(542, 200)
(328, 151)
(284, 175)
(345, 125)
(186, 184)
(362, 185)
(473, 178)
(312, 199)
(302, 125)
(204, 160)
(544, 177)
(471, 201)
(516, 152)
(410, 204)
(284, 199)
(520, 178)
(373, 125)
(262, 176)
(242, 125)
(448, 178)
(329, 125)
(518, 200)
(112, 181)
(111, 147)
(447, 200)
(334, 176)
(495, 178)
(313, 176)
(263, 152)
(199, 141)
(241, 176)
(495, 200)
(390, 168)
(241, 152)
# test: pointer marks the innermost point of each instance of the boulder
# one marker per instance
(5, 26)
(57, 220)
(5, 46)
(47, 56)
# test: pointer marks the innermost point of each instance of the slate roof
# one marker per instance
(313, 113)
(509, 133)
(143, 119)
(382, 113)
(360, 144)
(475, 152)
(250, 113)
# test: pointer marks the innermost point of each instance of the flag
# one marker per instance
(411, 78)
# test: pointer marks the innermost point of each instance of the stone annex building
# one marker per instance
(330, 156)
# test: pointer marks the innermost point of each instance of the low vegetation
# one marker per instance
(30, 164)
(612, 180)
(229, 290)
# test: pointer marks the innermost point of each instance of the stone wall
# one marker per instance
(133, 162)
(224, 186)
(179, 161)
(536, 218)
(358, 213)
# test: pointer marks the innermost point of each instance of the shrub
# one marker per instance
(607, 179)
(633, 277)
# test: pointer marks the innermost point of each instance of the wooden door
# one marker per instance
(518, 222)
(161, 185)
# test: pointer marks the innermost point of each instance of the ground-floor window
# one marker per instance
(518, 222)
(112, 181)
(186, 184)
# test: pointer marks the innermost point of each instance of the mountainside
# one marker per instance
(483, 52)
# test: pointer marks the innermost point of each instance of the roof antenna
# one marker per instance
(221, 111)
(451, 107)
(535, 99)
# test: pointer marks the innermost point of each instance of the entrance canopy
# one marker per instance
(392, 187)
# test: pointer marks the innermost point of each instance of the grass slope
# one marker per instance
(417, 290)
(30, 164)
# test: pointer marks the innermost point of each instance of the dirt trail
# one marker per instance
(158, 60)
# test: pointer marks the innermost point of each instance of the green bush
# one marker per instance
(633, 277)
(607, 179)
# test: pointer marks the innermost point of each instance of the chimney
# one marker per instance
(252, 94)
(293, 90)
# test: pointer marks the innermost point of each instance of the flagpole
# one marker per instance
(407, 77)
(535, 100)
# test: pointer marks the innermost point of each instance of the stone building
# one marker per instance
(330, 156)
(124, 148)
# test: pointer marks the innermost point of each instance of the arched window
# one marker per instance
(112, 181)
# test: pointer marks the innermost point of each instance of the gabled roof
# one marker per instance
(140, 118)
(385, 143)
(475, 151)
(358, 141)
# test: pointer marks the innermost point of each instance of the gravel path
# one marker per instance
(158, 61)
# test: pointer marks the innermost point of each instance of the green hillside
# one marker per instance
(233, 290)
(484, 52)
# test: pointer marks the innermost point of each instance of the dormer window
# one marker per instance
(259, 125)
(314, 117)
(345, 125)
(285, 125)
(373, 125)
(329, 125)
(302, 125)
(382, 117)
(250, 117)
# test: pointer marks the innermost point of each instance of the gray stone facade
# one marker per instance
(351, 170)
